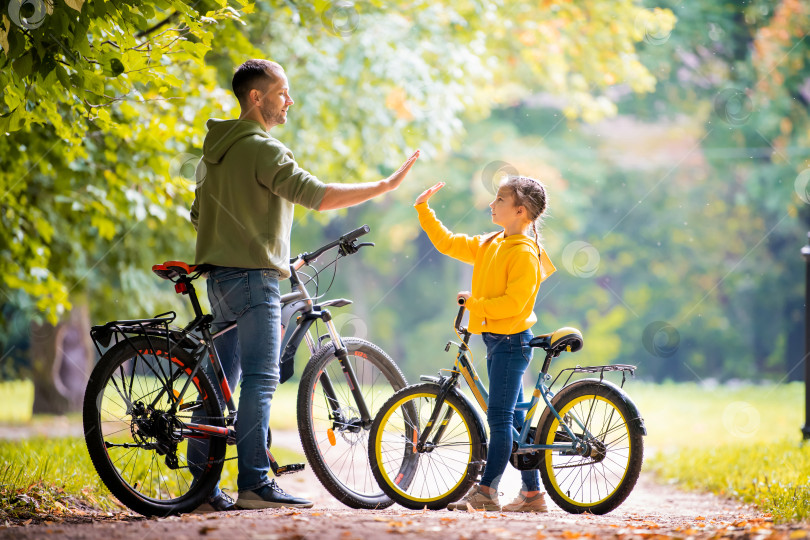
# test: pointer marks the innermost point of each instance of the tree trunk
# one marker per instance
(61, 360)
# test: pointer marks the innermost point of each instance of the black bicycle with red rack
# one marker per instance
(150, 394)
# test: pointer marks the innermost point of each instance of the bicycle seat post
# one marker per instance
(184, 286)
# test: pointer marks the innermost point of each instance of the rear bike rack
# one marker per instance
(601, 370)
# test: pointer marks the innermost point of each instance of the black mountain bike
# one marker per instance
(153, 391)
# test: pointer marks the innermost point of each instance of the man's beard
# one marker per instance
(271, 117)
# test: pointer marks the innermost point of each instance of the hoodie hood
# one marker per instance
(546, 266)
(223, 134)
(520, 239)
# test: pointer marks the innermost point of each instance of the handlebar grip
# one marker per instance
(355, 234)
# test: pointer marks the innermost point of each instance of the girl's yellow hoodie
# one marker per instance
(506, 274)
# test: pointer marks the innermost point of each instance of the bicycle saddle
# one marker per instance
(174, 269)
(565, 339)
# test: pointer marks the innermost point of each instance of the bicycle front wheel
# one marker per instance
(601, 480)
(136, 443)
(444, 468)
(333, 434)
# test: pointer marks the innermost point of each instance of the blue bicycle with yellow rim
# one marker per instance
(428, 444)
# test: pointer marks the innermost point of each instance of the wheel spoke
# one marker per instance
(415, 478)
(339, 449)
(136, 437)
(599, 480)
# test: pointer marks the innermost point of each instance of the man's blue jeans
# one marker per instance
(252, 299)
(508, 356)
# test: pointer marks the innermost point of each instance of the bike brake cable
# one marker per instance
(334, 273)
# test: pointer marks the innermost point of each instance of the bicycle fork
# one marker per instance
(422, 444)
(339, 418)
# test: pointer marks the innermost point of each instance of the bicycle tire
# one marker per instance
(600, 482)
(142, 478)
(339, 458)
(436, 477)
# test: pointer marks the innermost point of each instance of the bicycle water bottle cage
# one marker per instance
(565, 339)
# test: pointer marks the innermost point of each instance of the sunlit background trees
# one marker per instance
(673, 138)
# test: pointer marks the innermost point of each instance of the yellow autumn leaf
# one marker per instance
(4, 33)
(396, 101)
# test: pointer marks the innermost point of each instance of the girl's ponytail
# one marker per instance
(531, 194)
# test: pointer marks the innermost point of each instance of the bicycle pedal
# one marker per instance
(289, 469)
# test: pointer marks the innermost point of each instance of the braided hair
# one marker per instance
(530, 194)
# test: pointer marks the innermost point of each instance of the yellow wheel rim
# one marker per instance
(389, 478)
(572, 475)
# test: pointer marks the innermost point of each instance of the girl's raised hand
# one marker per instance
(428, 193)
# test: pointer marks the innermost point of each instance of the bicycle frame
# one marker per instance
(297, 301)
(464, 368)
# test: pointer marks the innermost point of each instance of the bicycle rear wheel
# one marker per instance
(334, 437)
(136, 443)
(601, 480)
(448, 465)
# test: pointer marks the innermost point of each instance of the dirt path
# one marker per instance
(652, 511)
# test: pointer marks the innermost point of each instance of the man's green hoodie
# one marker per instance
(247, 186)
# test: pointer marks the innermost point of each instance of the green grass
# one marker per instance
(55, 477)
(679, 416)
(52, 477)
(17, 398)
(774, 476)
(739, 442)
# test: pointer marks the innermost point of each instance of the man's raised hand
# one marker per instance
(428, 193)
(396, 179)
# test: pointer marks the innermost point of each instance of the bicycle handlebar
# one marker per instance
(460, 316)
(347, 238)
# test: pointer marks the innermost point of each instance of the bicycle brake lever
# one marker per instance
(350, 248)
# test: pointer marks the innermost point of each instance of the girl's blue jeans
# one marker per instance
(252, 299)
(508, 356)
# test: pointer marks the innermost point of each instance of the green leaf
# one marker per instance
(62, 75)
(76, 4)
(23, 65)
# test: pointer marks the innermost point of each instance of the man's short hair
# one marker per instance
(254, 74)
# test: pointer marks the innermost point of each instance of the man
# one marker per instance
(248, 184)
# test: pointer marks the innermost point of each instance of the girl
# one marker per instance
(508, 267)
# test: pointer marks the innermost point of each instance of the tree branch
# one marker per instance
(157, 26)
